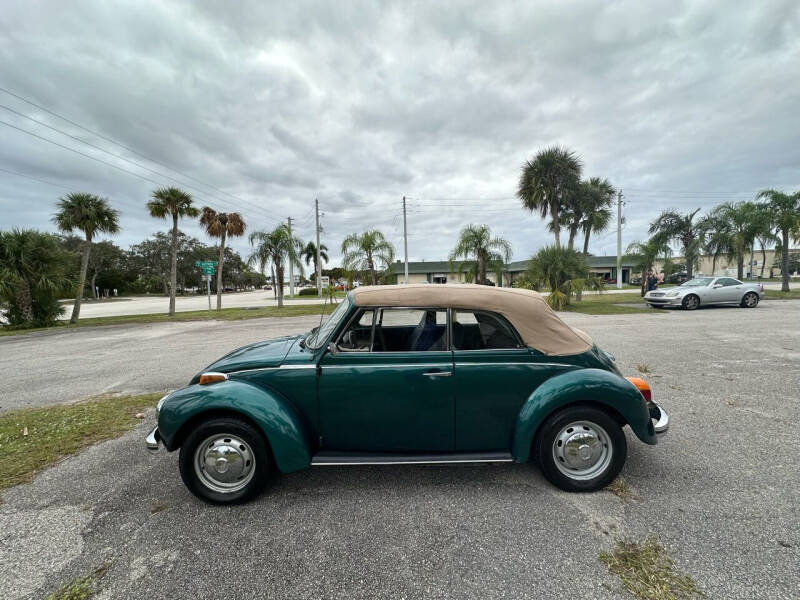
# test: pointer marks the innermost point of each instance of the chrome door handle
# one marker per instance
(438, 374)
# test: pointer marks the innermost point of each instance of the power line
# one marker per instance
(37, 179)
(120, 157)
(108, 139)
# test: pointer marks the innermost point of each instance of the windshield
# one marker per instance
(697, 282)
(316, 339)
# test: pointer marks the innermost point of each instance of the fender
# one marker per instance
(586, 386)
(276, 417)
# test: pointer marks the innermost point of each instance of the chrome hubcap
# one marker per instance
(224, 463)
(691, 302)
(582, 450)
(750, 300)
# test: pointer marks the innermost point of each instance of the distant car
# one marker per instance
(707, 290)
(411, 374)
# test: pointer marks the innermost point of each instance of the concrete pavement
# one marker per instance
(720, 491)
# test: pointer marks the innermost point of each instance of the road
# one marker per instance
(720, 491)
(144, 305)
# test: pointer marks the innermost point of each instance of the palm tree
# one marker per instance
(276, 248)
(645, 254)
(33, 268)
(563, 271)
(475, 242)
(89, 214)
(737, 221)
(673, 226)
(221, 225)
(716, 238)
(175, 203)
(785, 209)
(598, 197)
(547, 181)
(309, 253)
(367, 251)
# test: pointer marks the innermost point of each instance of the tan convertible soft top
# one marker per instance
(526, 310)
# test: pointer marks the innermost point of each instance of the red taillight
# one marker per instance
(642, 386)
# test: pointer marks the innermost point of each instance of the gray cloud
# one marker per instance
(361, 103)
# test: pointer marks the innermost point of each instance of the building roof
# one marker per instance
(526, 310)
(444, 266)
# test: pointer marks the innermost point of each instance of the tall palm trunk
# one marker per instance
(750, 265)
(556, 226)
(173, 267)
(713, 265)
(785, 261)
(274, 283)
(740, 266)
(22, 294)
(371, 265)
(219, 269)
(76, 308)
(573, 231)
(763, 260)
(586, 241)
(279, 283)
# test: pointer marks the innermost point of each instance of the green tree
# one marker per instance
(716, 238)
(33, 272)
(785, 213)
(645, 254)
(738, 223)
(90, 215)
(563, 271)
(598, 197)
(367, 252)
(175, 203)
(221, 225)
(276, 248)
(475, 242)
(683, 229)
(548, 182)
(310, 255)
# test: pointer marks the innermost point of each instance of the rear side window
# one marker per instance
(482, 331)
(726, 281)
(410, 330)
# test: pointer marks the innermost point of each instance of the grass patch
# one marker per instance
(622, 489)
(598, 308)
(779, 295)
(81, 588)
(32, 439)
(226, 314)
(648, 572)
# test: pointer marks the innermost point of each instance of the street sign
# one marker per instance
(209, 266)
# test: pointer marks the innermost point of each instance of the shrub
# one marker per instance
(307, 292)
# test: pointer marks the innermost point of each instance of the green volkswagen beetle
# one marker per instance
(409, 375)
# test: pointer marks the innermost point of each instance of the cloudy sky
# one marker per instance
(261, 107)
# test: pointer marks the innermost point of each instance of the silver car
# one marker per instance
(707, 290)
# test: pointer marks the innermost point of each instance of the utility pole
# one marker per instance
(319, 264)
(619, 240)
(405, 238)
(291, 262)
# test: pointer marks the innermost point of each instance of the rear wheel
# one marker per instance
(691, 302)
(225, 460)
(580, 449)
(750, 300)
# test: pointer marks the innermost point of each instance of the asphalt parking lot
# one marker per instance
(720, 492)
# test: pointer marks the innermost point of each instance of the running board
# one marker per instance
(329, 458)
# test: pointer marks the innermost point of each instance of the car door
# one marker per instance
(731, 290)
(493, 377)
(396, 393)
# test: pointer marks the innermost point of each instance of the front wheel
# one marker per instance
(225, 460)
(691, 302)
(750, 300)
(580, 449)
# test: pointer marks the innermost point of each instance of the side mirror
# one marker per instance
(717, 285)
(333, 349)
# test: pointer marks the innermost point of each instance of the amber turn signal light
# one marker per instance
(642, 386)
(207, 378)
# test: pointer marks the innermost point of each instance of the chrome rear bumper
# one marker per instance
(661, 418)
(153, 440)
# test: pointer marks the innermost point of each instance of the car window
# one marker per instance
(482, 331)
(410, 330)
(698, 282)
(357, 336)
(726, 281)
(319, 337)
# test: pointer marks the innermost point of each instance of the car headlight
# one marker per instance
(672, 294)
(160, 404)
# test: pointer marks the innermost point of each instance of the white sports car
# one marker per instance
(707, 290)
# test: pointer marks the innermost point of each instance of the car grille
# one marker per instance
(656, 294)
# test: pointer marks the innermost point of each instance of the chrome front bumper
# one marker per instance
(153, 440)
(661, 418)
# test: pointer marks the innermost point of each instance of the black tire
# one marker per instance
(546, 446)
(255, 454)
(691, 302)
(749, 300)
